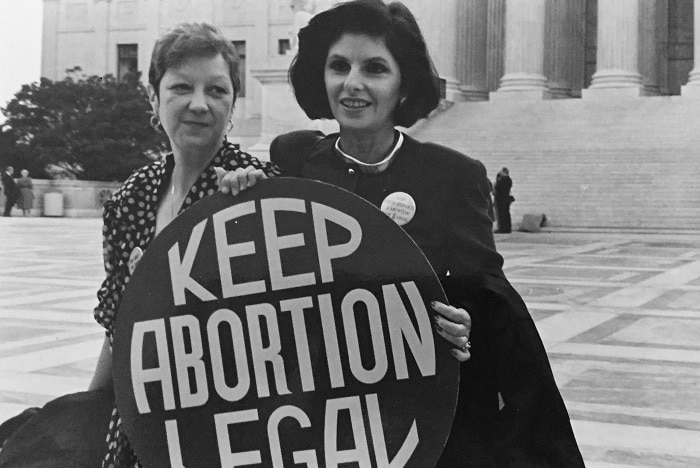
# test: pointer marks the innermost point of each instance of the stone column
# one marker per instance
(661, 35)
(439, 21)
(524, 49)
(617, 69)
(496, 12)
(693, 86)
(266, 76)
(151, 10)
(279, 111)
(49, 40)
(472, 63)
(101, 44)
(650, 18)
(258, 54)
(564, 54)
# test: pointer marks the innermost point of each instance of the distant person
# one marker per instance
(491, 209)
(26, 192)
(11, 192)
(503, 200)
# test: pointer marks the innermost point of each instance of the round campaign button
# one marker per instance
(400, 207)
(288, 326)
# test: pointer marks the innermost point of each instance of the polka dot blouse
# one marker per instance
(130, 222)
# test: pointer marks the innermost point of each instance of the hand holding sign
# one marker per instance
(290, 324)
(240, 179)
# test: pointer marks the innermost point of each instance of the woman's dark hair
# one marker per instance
(188, 40)
(396, 25)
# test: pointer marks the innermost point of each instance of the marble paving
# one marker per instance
(620, 317)
(619, 314)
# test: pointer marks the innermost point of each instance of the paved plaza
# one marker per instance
(619, 314)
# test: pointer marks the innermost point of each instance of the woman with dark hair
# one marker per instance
(396, 27)
(26, 192)
(366, 64)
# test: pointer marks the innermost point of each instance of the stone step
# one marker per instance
(627, 163)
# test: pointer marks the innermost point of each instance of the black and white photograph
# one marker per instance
(350, 233)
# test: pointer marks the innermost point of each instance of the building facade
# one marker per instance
(545, 87)
(479, 46)
(117, 36)
(560, 47)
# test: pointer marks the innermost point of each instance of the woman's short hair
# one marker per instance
(188, 40)
(420, 84)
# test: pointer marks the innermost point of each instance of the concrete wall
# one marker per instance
(81, 199)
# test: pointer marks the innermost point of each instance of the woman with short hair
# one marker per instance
(193, 82)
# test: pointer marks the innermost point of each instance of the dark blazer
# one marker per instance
(10, 186)
(452, 227)
(502, 190)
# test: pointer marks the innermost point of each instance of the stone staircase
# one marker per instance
(622, 162)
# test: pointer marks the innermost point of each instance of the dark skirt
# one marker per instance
(67, 432)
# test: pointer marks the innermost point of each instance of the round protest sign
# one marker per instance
(288, 326)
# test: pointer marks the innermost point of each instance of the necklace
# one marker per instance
(371, 168)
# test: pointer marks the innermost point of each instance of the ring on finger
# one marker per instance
(466, 347)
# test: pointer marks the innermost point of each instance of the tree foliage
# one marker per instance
(95, 126)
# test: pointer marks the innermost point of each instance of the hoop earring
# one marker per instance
(230, 126)
(155, 123)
